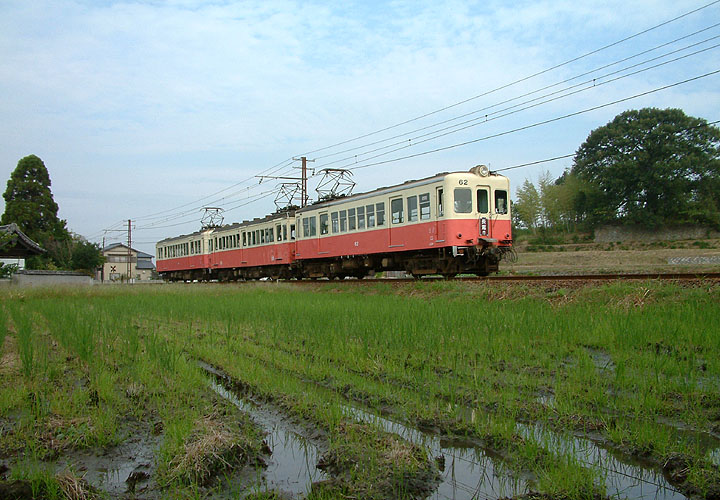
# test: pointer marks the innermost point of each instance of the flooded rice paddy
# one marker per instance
(408, 391)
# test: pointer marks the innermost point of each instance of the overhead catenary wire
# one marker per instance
(540, 123)
(594, 83)
(524, 79)
(502, 113)
(285, 164)
(586, 73)
(455, 128)
(570, 155)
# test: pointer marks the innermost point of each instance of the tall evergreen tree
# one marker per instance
(29, 204)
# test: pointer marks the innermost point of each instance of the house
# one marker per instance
(126, 264)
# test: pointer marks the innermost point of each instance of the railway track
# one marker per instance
(550, 278)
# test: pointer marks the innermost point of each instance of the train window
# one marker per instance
(440, 206)
(412, 208)
(335, 224)
(323, 223)
(351, 219)
(361, 217)
(292, 231)
(262, 235)
(425, 206)
(380, 211)
(253, 235)
(309, 226)
(483, 203)
(244, 239)
(278, 229)
(370, 213)
(343, 221)
(396, 209)
(501, 204)
(271, 235)
(463, 200)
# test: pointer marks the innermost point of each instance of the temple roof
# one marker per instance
(18, 244)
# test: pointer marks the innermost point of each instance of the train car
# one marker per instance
(183, 257)
(446, 224)
(251, 249)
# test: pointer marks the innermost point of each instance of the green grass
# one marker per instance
(620, 360)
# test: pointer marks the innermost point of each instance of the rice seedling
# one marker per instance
(617, 362)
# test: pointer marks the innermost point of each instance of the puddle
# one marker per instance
(291, 468)
(714, 456)
(111, 471)
(467, 472)
(705, 441)
(622, 479)
(602, 360)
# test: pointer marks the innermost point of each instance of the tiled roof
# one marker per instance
(19, 245)
(144, 264)
(140, 255)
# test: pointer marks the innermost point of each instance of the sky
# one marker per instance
(151, 110)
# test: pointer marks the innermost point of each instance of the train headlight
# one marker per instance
(481, 170)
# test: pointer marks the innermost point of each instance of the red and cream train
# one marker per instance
(447, 224)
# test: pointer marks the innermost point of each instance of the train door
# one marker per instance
(483, 210)
(204, 252)
(212, 258)
(440, 211)
(323, 230)
(397, 217)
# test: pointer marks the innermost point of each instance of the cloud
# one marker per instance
(191, 96)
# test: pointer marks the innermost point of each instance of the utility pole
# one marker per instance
(129, 260)
(102, 269)
(303, 193)
(302, 181)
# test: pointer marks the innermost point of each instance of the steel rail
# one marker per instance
(524, 277)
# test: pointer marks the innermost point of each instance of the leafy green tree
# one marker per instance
(549, 214)
(527, 208)
(651, 167)
(86, 256)
(29, 203)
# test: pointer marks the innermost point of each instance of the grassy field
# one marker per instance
(617, 257)
(514, 372)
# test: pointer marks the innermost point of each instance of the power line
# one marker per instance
(537, 124)
(507, 85)
(521, 165)
(455, 128)
(542, 88)
(497, 114)
(167, 215)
